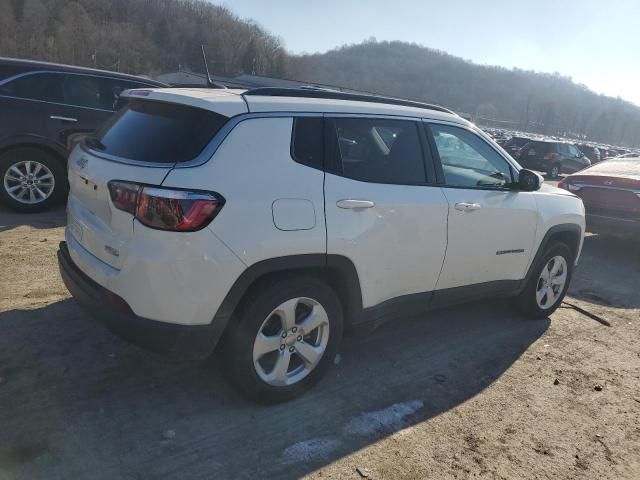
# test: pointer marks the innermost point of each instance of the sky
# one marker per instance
(595, 42)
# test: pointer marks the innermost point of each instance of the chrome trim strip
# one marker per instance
(603, 187)
(62, 72)
(56, 103)
(55, 72)
(210, 149)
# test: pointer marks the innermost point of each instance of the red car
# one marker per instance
(610, 191)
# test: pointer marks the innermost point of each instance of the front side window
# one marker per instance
(36, 86)
(376, 150)
(467, 160)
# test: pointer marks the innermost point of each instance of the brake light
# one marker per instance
(550, 156)
(519, 153)
(165, 208)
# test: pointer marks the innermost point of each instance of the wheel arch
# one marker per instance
(338, 271)
(54, 150)
(568, 233)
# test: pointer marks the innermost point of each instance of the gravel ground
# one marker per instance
(469, 392)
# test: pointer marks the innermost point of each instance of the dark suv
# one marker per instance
(45, 109)
(552, 157)
(592, 152)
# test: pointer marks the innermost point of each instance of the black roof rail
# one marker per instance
(319, 92)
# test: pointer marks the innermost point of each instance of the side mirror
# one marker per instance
(529, 181)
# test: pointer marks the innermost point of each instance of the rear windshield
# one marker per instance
(157, 132)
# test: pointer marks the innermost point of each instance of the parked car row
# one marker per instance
(552, 155)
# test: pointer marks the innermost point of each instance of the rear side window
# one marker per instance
(308, 141)
(376, 150)
(158, 132)
(37, 86)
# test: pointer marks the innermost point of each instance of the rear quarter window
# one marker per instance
(307, 146)
(157, 132)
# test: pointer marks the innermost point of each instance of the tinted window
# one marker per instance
(467, 160)
(94, 92)
(37, 86)
(308, 141)
(158, 132)
(377, 150)
(536, 148)
(573, 151)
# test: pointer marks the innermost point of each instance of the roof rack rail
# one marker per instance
(318, 92)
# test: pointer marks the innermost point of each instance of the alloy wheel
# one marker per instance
(29, 182)
(291, 341)
(551, 282)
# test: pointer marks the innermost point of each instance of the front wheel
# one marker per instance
(31, 179)
(283, 339)
(548, 283)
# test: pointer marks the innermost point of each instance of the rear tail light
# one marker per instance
(519, 153)
(124, 195)
(551, 156)
(166, 208)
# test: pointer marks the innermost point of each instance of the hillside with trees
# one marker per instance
(155, 36)
(516, 99)
(137, 36)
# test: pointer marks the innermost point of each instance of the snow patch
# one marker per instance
(387, 420)
(307, 450)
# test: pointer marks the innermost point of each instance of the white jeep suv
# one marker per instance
(265, 222)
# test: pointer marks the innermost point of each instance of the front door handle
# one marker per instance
(352, 203)
(467, 207)
(63, 119)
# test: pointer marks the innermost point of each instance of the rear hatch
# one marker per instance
(610, 188)
(140, 144)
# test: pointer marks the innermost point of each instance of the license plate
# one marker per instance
(532, 153)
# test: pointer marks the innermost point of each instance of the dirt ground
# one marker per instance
(470, 392)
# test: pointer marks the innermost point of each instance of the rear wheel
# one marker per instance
(548, 284)
(283, 340)
(31, 179)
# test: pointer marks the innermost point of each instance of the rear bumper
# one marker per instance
(612, 225)
(180, 341)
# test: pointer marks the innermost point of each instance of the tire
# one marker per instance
(49, 174)
(527, 301)
(554, 171)
(258, 313)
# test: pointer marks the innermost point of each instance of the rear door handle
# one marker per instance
(467, 207)
(352, 203)
(63, 119)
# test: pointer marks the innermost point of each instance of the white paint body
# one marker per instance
(412, 239)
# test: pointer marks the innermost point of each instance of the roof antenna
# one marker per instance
(210, 83)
